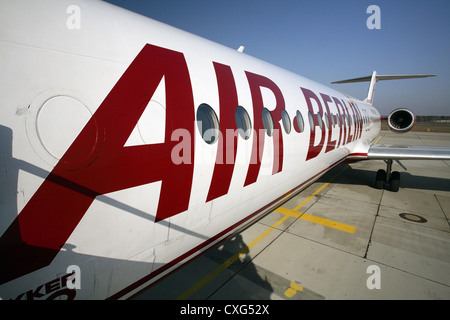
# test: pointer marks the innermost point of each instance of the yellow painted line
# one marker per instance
(288, 212)
(328, 223)
(229, 261)
(311, 196)
(318, 190)
(318, 220)
(379, 138)
(292, 290)
(188, 293)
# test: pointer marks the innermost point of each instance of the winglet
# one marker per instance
(374, 78)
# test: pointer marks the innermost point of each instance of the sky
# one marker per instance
(328, 40)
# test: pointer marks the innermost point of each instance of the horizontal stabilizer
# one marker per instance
(374, 78)
(387, 77)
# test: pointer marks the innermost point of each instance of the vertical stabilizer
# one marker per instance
(373, 81)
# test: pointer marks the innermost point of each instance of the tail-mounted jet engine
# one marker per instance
(401, 120)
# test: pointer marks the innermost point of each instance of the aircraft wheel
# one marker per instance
(395, 181)
(380, 179)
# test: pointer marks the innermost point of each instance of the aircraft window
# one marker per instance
(207, 123)
(243, 123)
(286, 121)
(319, 119)
(267, 121)
(327, 121)
(338, 120)
(300, 123)
(333, 120)
(311, 121)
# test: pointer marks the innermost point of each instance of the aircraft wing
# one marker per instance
(395, 152)
(390, 153)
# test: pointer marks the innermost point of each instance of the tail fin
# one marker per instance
(374, 78)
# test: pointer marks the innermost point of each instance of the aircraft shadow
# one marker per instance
(243, 273)
(8, 179)
(358, 176)
(18, 259)
(212, 277)
(22, 260)
(98, 278)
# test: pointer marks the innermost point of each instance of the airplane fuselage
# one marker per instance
(130, 147)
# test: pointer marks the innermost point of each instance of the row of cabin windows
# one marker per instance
(208, 123)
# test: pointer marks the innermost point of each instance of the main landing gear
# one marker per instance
(388, 176)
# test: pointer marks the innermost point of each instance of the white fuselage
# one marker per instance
(103, 165)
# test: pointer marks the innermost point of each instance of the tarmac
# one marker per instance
(338, 239)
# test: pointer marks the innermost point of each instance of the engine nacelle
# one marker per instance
(401, 120)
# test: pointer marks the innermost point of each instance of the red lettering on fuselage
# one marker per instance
(98, 163)
(51, 215)
(314, 150)
(349, 123)
(331, 144)
(256, 82)
(358, 123)
(228, 139)
(342, 127)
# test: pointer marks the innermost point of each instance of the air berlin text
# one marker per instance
(97, 162)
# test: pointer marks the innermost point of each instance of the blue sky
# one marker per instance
(327, 40)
